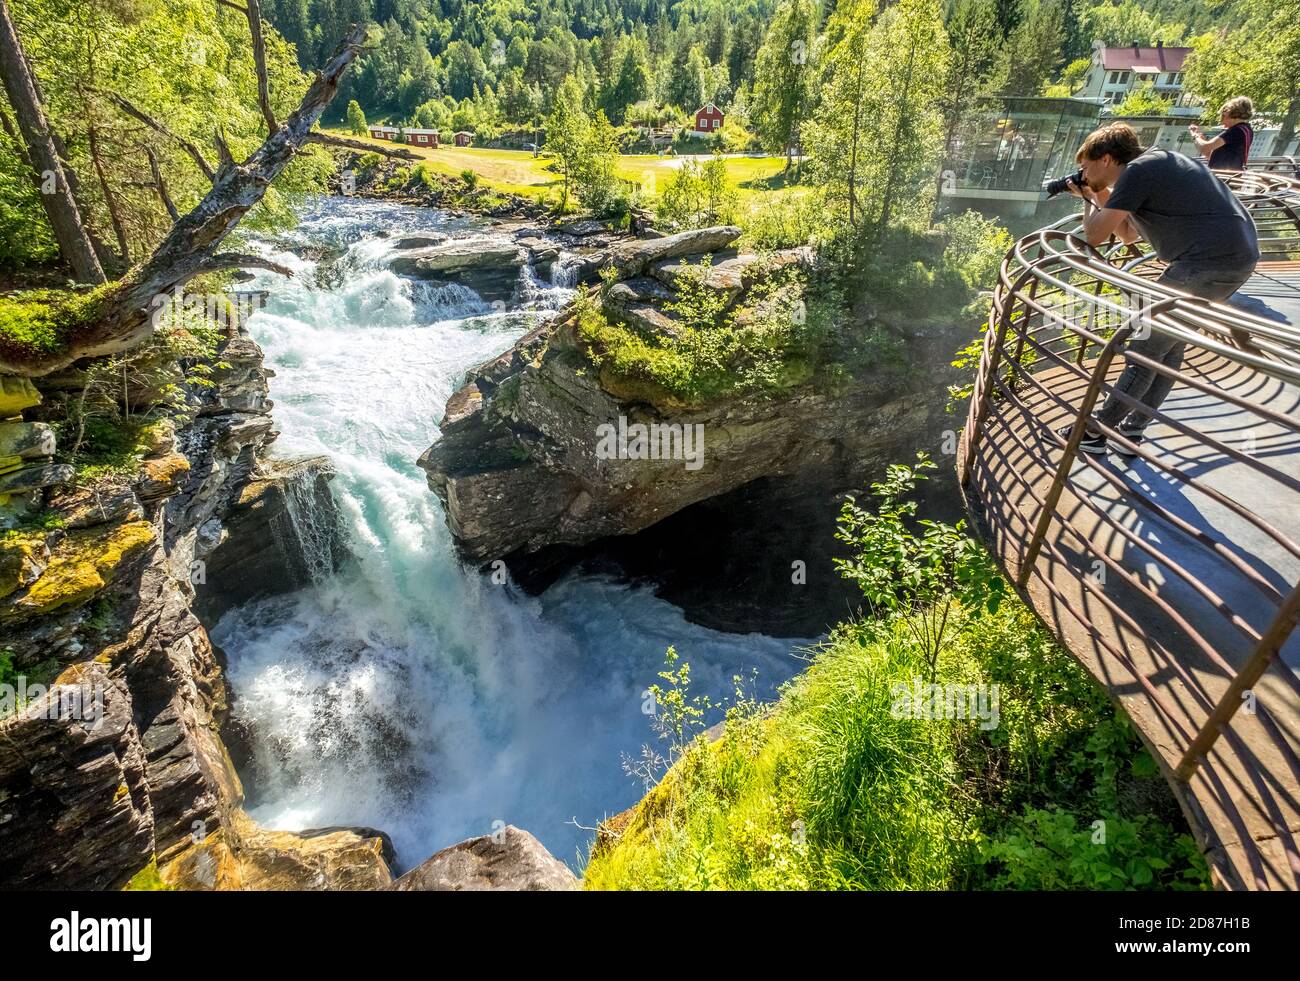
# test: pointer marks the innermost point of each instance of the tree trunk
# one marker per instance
(110, 199)
(124, 316)
(887, 199)
(1289, 121)
(853, 141)
(56, 193)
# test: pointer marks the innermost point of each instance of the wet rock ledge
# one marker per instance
(522, 476)
(112, 762)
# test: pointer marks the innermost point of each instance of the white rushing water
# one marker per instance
(410, 693)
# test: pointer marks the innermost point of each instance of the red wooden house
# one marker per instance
(708, 118)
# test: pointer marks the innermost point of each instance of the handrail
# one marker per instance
(1061, 312)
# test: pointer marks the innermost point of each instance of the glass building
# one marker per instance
(1015, 144)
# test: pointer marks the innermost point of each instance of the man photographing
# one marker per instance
(1194, 223)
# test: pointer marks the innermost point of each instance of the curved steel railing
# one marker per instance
(1201, 636)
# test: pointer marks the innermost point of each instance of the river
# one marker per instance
(409, 692)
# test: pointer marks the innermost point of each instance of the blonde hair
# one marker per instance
(1239, 108)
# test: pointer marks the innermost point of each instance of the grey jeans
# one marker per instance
(1147, 385)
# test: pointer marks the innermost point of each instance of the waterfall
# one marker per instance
(311, 535)
(405, 691)
(564, 271)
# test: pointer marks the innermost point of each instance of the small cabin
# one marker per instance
(464, 139)
(421, 137)
(383, 132)
(708, 118)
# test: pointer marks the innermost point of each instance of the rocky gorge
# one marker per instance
(114, 589)
(115, 750)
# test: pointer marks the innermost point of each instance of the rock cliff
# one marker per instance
(111, 755)
(537, 450)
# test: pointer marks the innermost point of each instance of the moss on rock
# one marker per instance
(16, 394)
(39, 323)
(81, 565)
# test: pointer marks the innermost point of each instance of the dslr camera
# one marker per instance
(1059, 186)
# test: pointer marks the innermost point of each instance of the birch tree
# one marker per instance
(878, 129)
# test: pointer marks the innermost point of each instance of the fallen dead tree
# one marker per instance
(116, 316)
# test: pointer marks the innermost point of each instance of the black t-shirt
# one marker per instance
(1236, 144)
(1184, 211)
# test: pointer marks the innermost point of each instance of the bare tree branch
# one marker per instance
(155, 125)
(123, 318)
(328, 139)
(223, 261)
(254, 13)
(160, 183)
(225, 159)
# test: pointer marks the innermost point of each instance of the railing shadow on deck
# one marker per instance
(1174, 578)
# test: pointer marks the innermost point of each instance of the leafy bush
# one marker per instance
(975, 247)
(775, 342)
(833, 787)
(697, 196)
(781, 220)
(368, 162)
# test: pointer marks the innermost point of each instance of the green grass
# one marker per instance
(519, 172)
(748, 176)
(828, 789)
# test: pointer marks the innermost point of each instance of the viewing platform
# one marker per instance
(1172, 575)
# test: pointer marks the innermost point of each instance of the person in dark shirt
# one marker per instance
(1231, 148)
(1194, 223)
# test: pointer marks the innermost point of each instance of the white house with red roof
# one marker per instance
(1117, 71)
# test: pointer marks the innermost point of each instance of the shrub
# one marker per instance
(839, 786)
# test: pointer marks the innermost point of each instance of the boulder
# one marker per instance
(162, 476)
(35, 477)
(107, 501)
(523, 464)
(242, 855)
(425, 241)
(26, 440)
(512, 860)
(490, 267)
(634, 258)
(281, 534)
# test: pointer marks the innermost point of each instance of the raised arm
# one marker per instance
(1100, 222)
(1204, 145)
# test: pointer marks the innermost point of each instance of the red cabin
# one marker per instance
(708, 118)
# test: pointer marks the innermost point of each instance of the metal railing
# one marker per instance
(1219, 609)
(1287, 166)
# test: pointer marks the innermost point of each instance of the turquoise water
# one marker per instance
(410, 693)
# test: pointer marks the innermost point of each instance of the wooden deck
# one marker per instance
(1165, 608)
